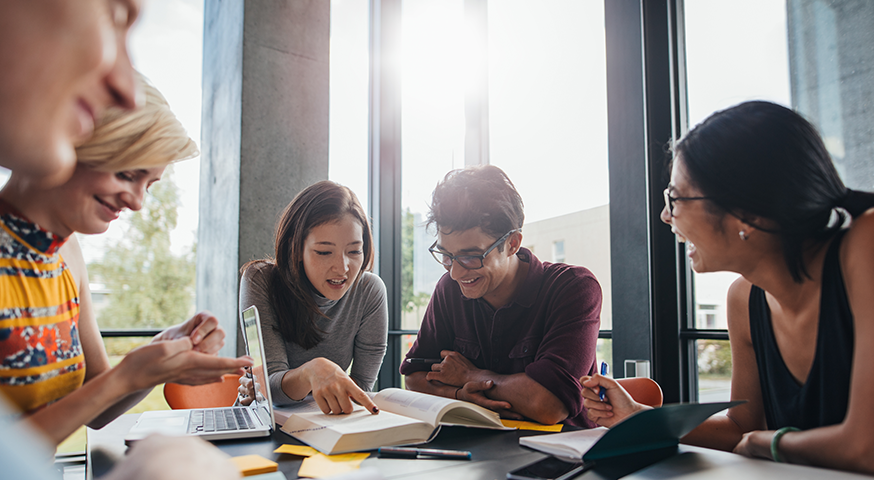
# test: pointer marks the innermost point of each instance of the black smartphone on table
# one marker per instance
(550, 468)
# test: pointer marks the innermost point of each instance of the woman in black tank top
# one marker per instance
(754, 191)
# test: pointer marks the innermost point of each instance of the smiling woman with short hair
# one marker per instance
(56, 369)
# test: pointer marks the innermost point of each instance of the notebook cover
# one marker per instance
(655, 429)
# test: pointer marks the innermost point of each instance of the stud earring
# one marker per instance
(743, 235)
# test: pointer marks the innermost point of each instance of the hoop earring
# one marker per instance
(743, 235)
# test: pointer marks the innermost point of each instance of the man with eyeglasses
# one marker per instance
(503, 329)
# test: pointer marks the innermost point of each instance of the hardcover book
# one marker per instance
(404, 418)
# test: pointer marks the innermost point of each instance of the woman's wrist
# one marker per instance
(123, 377)
(116, 383)
(303, 372)
(774, 445)
(759, 444)
(295, 383)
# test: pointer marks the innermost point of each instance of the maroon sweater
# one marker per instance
(548, 330)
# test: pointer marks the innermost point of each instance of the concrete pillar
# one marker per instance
(264, 134)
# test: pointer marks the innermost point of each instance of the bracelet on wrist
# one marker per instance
(775, 441)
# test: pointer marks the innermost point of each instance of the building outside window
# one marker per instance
(558, 251)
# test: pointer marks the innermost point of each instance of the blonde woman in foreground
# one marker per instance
(58, 372)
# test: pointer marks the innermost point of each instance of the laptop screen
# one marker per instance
(263, 404)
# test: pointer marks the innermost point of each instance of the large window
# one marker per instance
(434, 83)
(459, 82)
(547, 118)
(548, 128)
(720, 60)
(515, 87)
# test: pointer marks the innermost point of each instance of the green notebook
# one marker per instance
(648, 430)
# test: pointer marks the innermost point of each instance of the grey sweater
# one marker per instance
(356, 329)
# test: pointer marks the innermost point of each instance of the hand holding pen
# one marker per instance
(605, 401)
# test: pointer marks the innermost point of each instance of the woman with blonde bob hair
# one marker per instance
(321, 310)
(49, 334)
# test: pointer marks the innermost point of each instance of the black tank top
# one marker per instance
(822, 400)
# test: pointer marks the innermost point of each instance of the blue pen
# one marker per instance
(602, 391)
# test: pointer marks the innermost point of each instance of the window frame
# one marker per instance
(647, 80)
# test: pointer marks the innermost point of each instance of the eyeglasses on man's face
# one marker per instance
(470, 262)
(669, 200)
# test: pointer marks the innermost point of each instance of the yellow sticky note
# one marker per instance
(521, 425)
(321, 465)
(254, 465)
(298, 450)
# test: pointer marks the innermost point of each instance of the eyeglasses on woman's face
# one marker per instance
(670, 200)
(470, 262)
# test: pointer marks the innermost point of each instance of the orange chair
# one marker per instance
(643, 390)
(219, 394)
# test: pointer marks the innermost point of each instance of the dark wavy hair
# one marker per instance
(290, 289)
(477, 196)
(761, 160)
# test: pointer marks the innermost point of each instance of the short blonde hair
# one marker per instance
(147, 137)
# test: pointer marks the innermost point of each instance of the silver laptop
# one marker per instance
(255, 420)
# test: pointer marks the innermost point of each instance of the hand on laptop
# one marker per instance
(617, 403)
(203, 329)
(247, 391)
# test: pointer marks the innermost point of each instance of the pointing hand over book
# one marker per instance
(333, 390)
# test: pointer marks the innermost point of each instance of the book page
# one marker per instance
(569, 444)
(422, 406)
(470, 415)
(436, 410)
(356, 431)
(360, 420)
(307, 405)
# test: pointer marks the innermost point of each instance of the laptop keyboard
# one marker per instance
(219, 420)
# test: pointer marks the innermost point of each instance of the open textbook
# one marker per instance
(404, 418)
(645, 431)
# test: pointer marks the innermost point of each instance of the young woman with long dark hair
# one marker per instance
(321, 310)
(754, 191)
